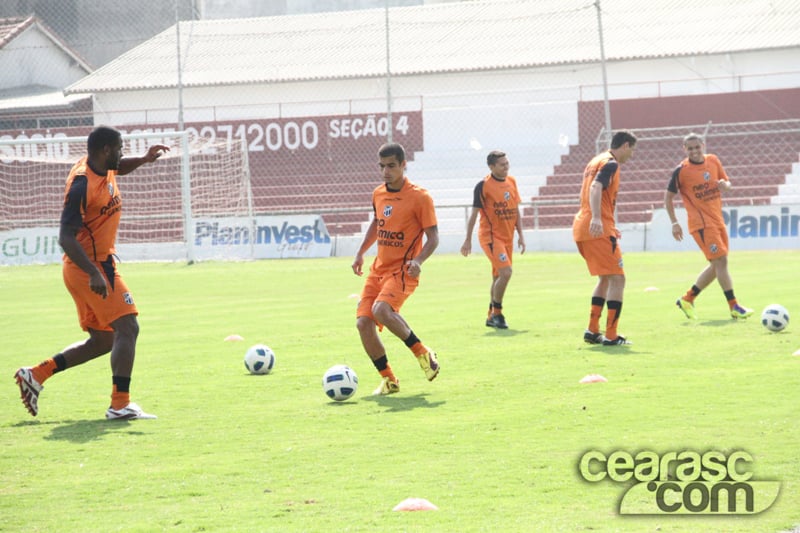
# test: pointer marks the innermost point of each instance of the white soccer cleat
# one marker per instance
(129, 412)
(29, 389)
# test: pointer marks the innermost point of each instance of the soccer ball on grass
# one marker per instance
(340, 382)
(259, 359)
(775, 317)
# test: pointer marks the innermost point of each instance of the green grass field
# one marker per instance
(494, 441)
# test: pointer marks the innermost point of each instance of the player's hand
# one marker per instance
(724, 185)
(97, 282)
(677, 232)
(414, 268)
(596, 227)
(155, 151)
(466, 248)
(358, 262)
(521, 244)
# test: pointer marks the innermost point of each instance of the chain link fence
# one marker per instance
(316, 152)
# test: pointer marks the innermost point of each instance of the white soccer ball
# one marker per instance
(775, 317)
(259, 359)
(340, 382)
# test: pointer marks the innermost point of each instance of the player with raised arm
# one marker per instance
(404, 216)
(88, 232)
(701, 180)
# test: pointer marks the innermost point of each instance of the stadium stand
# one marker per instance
(762, 157)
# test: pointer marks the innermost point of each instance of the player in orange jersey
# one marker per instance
(497, 199)
(597, 237)
(404, 214)
(88, 232)
(701, 180)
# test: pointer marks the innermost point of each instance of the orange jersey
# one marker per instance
(698, 184)
(93, 204)
(402, 217)
(498, 201)
(605, 169)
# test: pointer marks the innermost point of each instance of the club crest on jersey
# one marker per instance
(506, 196)
(387, 211)
(111, 189)
(706, 176)
(127, 298)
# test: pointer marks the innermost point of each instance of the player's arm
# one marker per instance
(370, 236)
(431, 242)
(599, 184)
(129, 164)
(669, 197)
(595, 202)
(521, 236)
(466, 248)
(477, 204)
(71, 223)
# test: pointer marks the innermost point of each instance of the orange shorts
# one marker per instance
(94, 311)
(713, 241)
(499, 253)
(603, 256)
(393, 289)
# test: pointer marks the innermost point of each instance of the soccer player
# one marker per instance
(597, 237)
(88, 232)
(403, 215)
(701, 180)
(497, 199)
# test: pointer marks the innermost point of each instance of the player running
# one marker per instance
(403, 214)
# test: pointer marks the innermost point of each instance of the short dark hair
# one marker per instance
(622, 137)
(393, 149)
(101, 137)
(693, 137)
(493, 156)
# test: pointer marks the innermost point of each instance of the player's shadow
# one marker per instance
(82, 431)
(394, 403)
(717, 323)
(510, 332)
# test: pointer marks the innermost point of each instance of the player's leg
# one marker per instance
(500, 256)
(606, 263)
(31, 379)
(386, 311)
(367, 326)
(118, 312)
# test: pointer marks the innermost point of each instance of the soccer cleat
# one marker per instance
(129, 412)
(29, 389)
(429, 364)
(737, 311)
(620, 340)
(387, 387)
(497, 321)
(687, 308)
(593, 338)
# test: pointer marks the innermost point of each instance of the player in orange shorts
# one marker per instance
(595, 233)
(403, 215)
(497, 199)
(88, 232)
(700, 179)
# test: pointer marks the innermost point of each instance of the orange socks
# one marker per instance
(119, 399)
(387, 373)
(44, 370)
